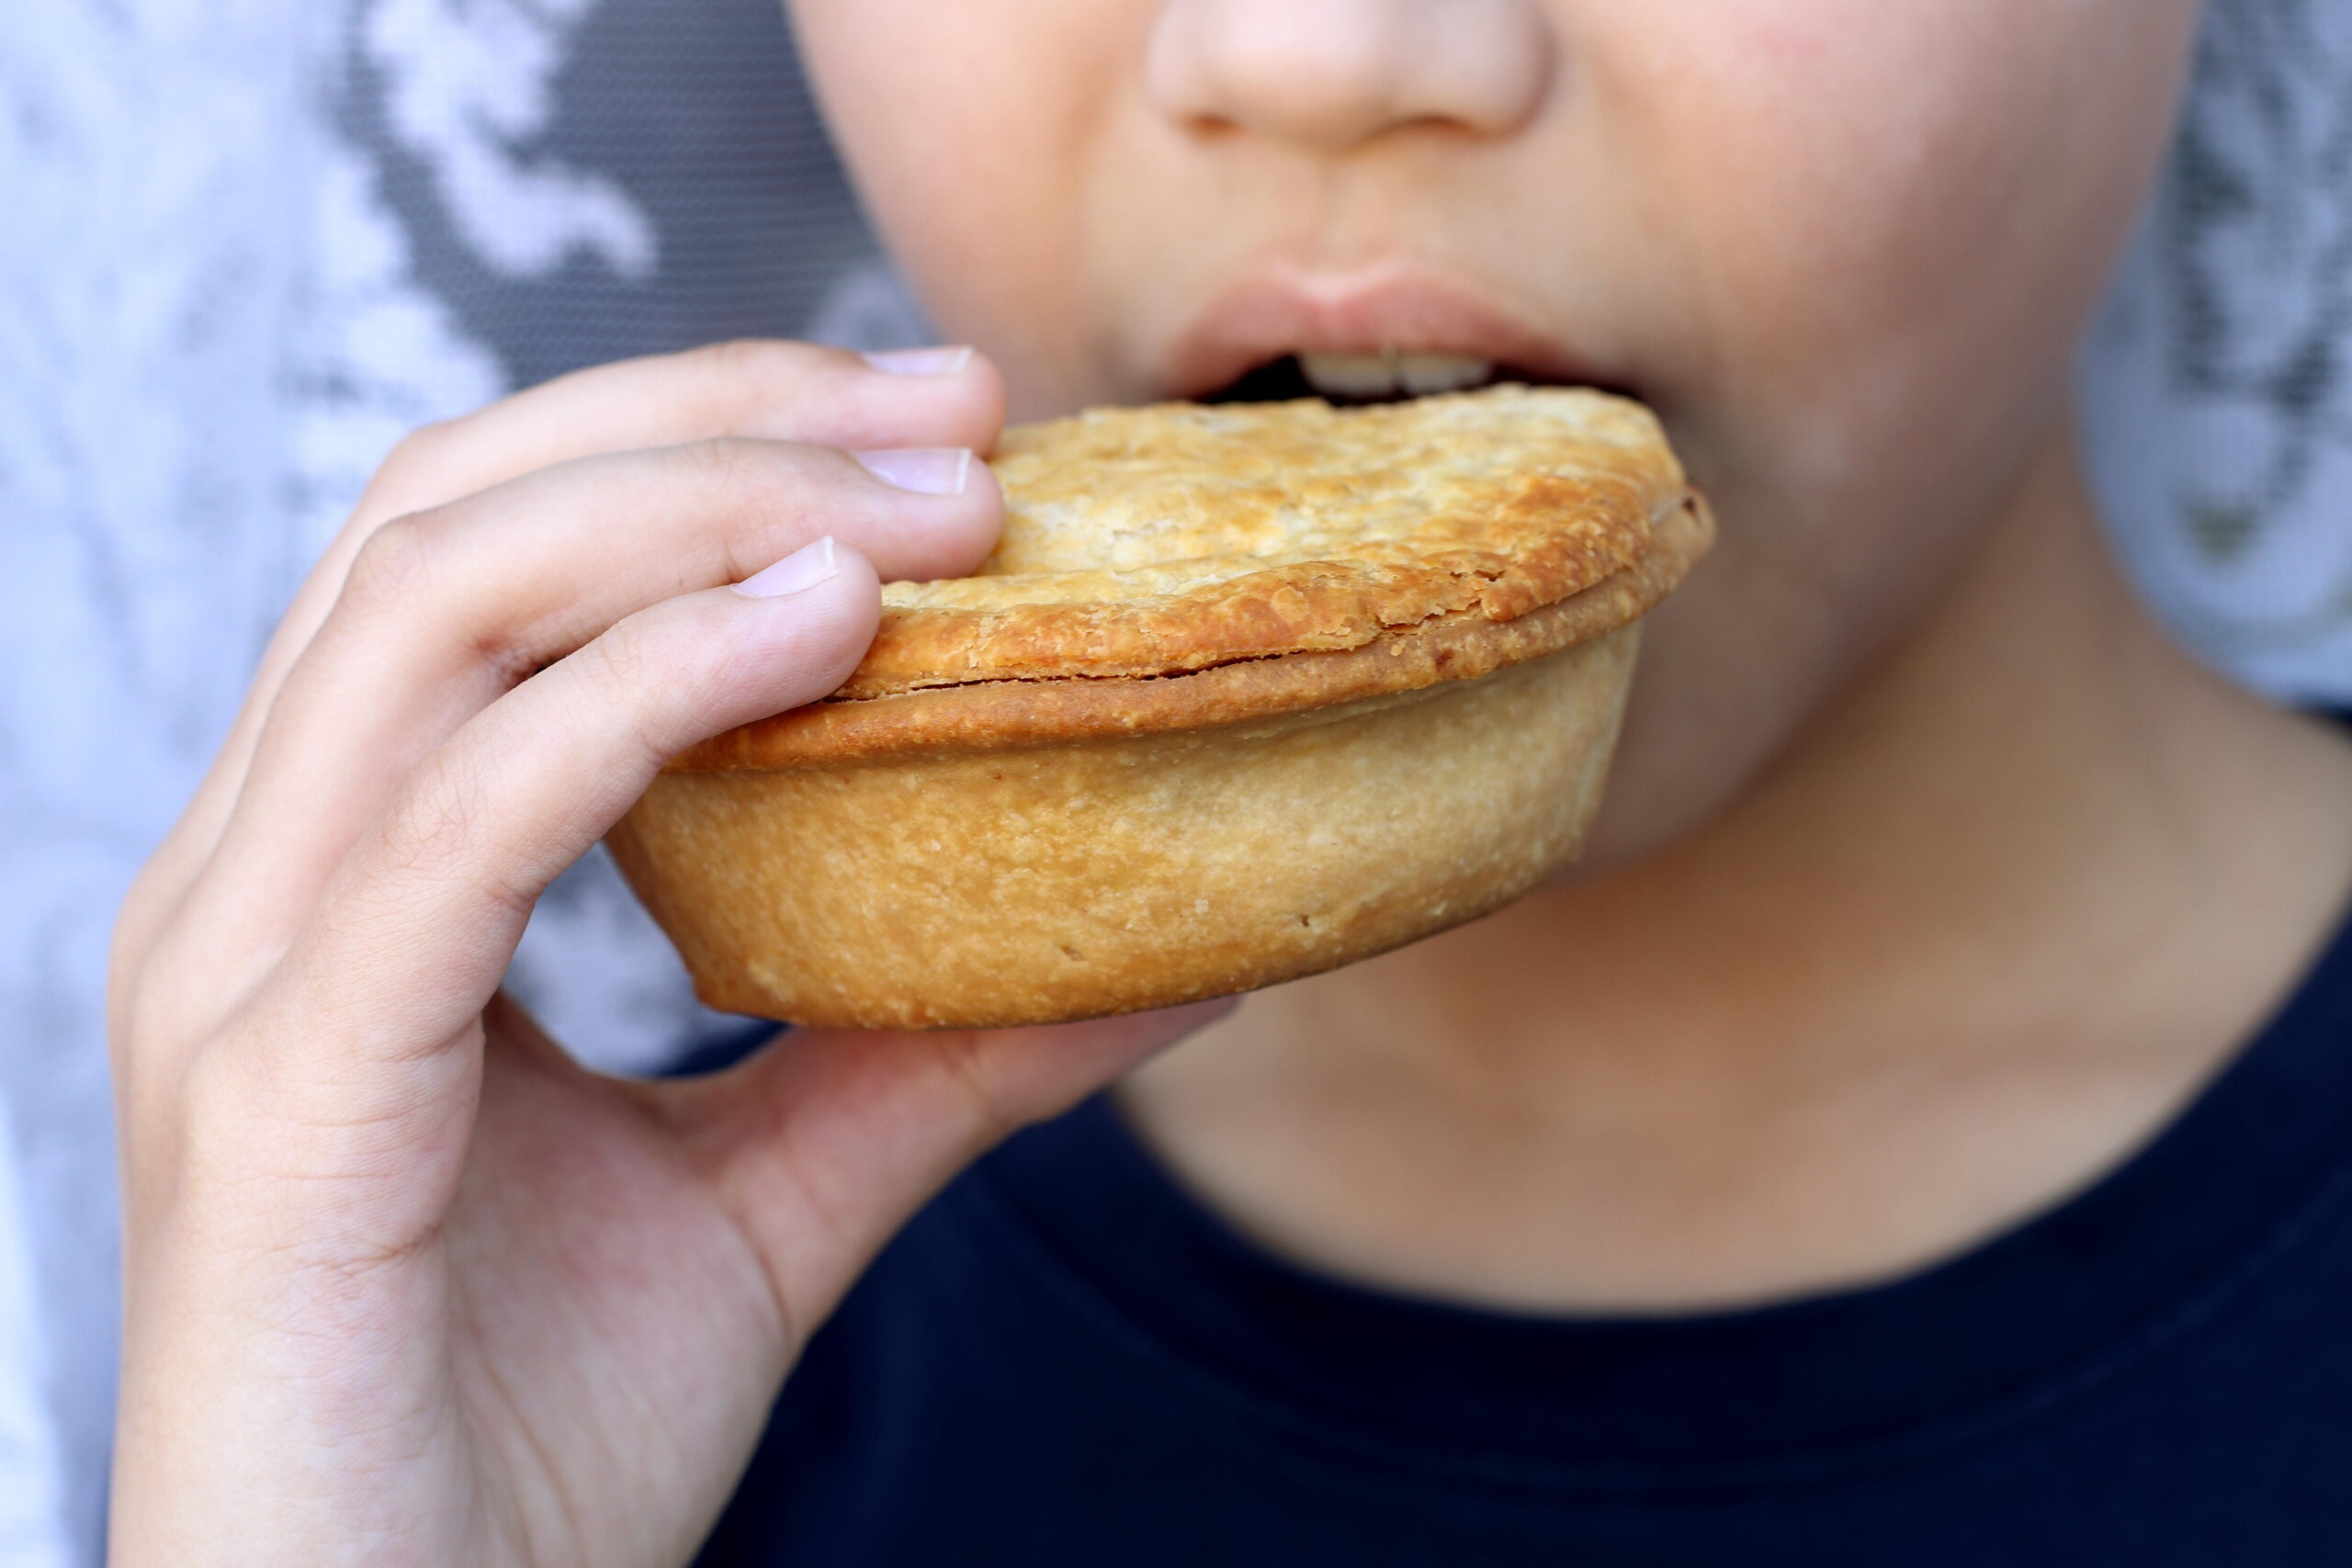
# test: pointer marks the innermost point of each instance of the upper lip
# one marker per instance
(1274, 313)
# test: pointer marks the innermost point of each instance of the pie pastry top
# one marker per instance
(1155, 540)
(1156, 563)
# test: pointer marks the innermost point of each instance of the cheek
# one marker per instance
(1876, 230)
(1895, 217)
(967, 128)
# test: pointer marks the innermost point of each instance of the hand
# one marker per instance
(403, 1283)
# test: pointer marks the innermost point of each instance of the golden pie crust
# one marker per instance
(1245, 692)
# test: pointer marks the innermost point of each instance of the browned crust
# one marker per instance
(1011, 713)
(1577, 531)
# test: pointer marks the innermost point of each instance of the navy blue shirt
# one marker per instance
(1064, 1359)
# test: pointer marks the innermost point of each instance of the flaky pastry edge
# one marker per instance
(1011, 712)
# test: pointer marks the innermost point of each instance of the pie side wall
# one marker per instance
(1029, 886)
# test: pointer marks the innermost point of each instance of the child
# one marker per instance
(1913, 1136)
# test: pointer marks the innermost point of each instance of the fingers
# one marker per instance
(823, 1147)
(767, 391)
(474, 835)
(446, 610)
(726, 395)
(752, 390)
(764, 391)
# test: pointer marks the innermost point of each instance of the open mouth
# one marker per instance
(1353, 380)
(1383, 333)
(1346, 379)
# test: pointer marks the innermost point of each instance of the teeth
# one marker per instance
(1425, 373)
(1350, 375)
(1389, 375)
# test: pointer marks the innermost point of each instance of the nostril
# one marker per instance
(1209, 126)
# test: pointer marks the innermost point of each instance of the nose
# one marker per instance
(1330, 75)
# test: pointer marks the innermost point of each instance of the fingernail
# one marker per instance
(921, 361)
(927, 470)
(804, 568)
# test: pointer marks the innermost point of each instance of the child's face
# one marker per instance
(1843, 246)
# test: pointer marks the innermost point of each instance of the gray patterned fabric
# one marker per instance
(248, 242)
(2216, 391)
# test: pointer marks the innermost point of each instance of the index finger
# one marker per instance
(759, 389)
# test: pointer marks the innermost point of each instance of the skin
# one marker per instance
(402, 1283)
(1982, 877)
(1932, 878)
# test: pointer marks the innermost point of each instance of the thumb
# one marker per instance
(822, 1147)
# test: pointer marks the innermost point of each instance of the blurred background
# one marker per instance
(246, 245)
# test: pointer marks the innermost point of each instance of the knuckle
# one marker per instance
(413, 472)
(754, 360)
(217, 1131)
(422, 451)
(452, 838)
(138, 923)
(217, 1090)
(440, 813)
(725, 464)
(640, 688)
(739, 483)
(191, 972)
(143, 1006)
(136, 1034)
(393, 565)
(652, 683)
(620, 662)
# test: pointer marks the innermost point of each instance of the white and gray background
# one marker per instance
(245, 245)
